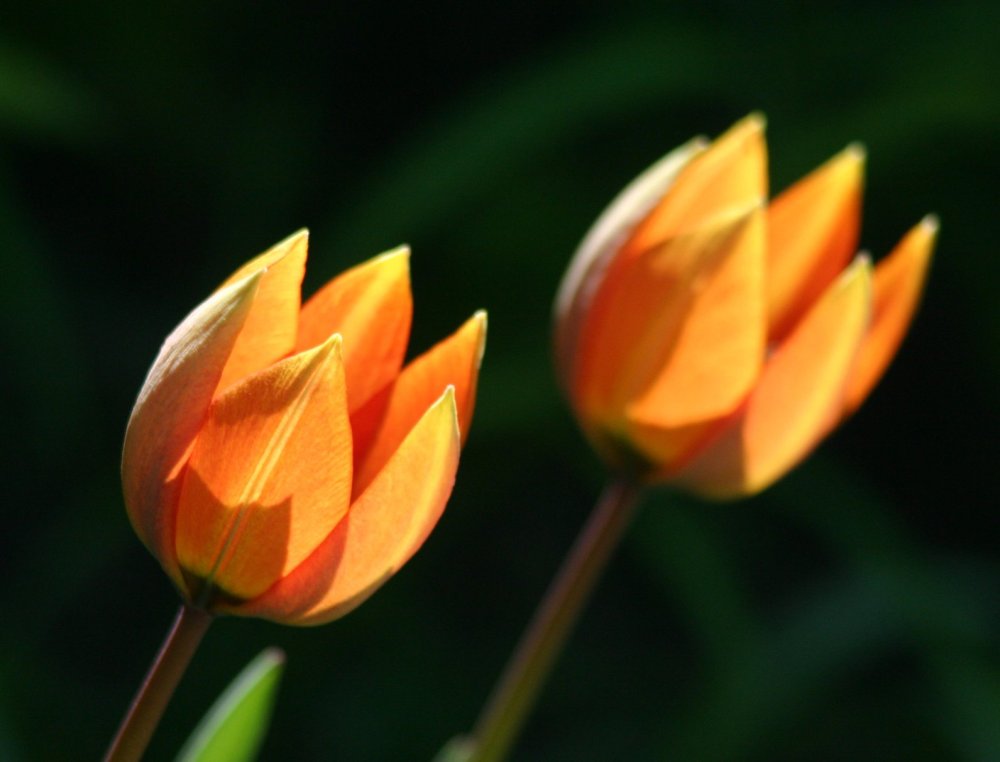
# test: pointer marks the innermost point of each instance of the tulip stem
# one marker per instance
(516, 692)
(149, 703)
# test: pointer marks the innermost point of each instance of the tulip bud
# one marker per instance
(709, 339)
(280, 460)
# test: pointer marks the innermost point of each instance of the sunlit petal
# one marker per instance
(899, 281)
(799, 394)
(384, 528)
(649, 315)
(813, 233)
(731, 173)
(270, 328)
(270, 475)
(719, 349)
(452, 362)
(371, 307)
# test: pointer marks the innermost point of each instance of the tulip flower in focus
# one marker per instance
(709, 339)
(281, 461)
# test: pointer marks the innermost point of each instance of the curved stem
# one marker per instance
(541, 643)
(149, 703)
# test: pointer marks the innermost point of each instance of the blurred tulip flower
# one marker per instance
(709, 339)
(280, 461)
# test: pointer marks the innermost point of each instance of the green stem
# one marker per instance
(541, 643)
(147, 707)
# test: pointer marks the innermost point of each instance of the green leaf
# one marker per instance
(234, 727)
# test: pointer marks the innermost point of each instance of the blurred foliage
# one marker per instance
(851, 612)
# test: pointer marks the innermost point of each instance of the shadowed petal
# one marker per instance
(651, 313)
(371, 307)
(270, 474)
(384, 528)
(799, 396)
(719, 350)
(171, 408)
(452, 362)
(813, 233)
(899, 281)
(270, 329)
(602, 242)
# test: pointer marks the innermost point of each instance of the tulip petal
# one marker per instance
(270, 328)
(797, 399)
(170, 410)
(731, 173)
(452, 362)
(812, 234)
(269, 476)
(719, 350)
(661, 302)
(386, 525)
(371, 307)
(608, 233)
(899, 281)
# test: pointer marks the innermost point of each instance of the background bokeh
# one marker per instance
(147, 149)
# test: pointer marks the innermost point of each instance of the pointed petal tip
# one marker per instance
(747, 131)
(244, 287)
(755, 122)
(334, 343)
(448, 398)
(302, 234)
(856, 151)
(289, 242)
(847, 165)
(403, 252)
(931, 224)
(294, 248)
(396, 258)
(735, 216)
(860, 268)
(479, 319)
(851, 162)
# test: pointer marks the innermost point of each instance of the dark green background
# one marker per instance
(849, 613)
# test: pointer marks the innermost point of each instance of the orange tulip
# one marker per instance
(710, 340)
(280, 461)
